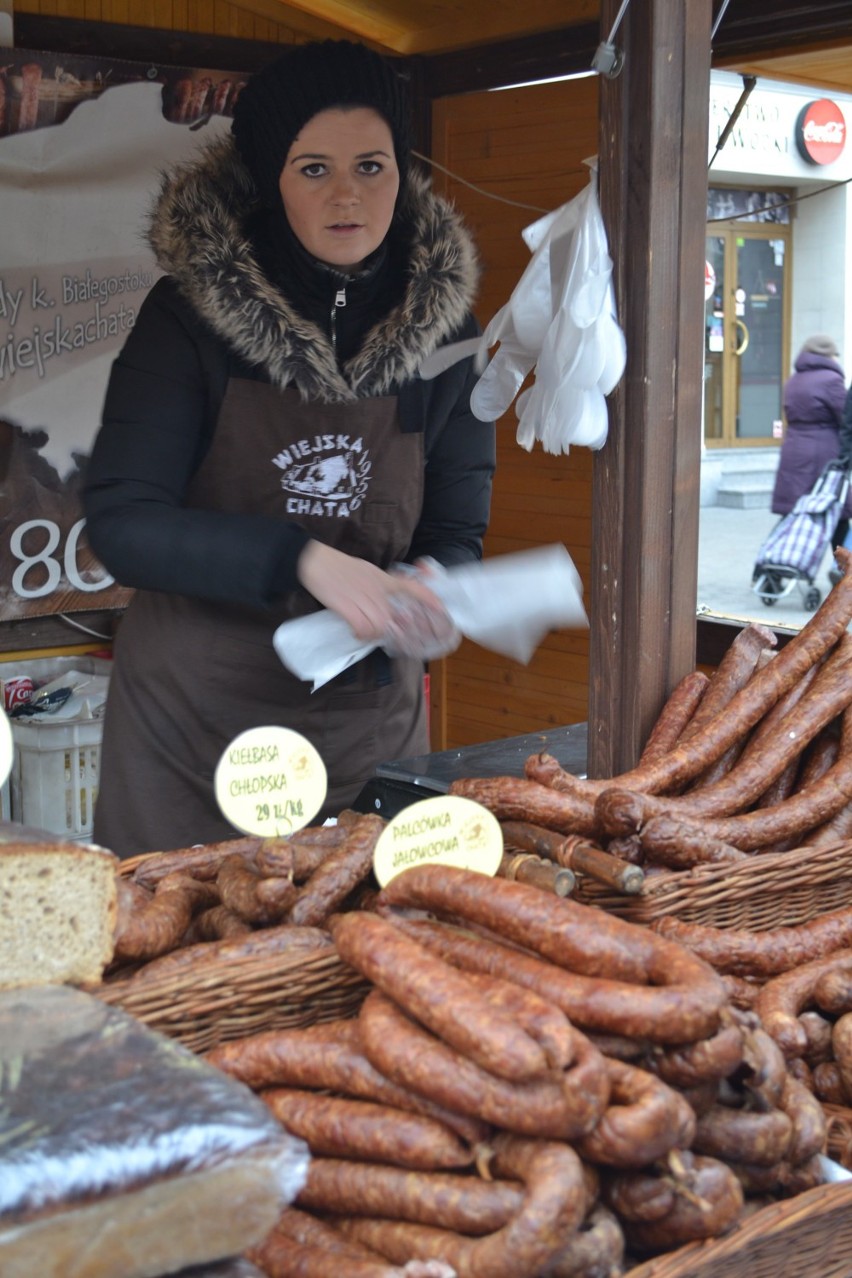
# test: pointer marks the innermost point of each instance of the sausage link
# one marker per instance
(559, 1107)
(216, 924)
(438, 996)
(783, 1181)
(146, 929)
(335, 1128)
(833, 991)
(595, 1251)
(644, 1120)
(803, 1073)
(525, 799)
(761, 954)
(705, 1201)
(831, 693)
(287, 1253)
(767, 727)
(841, 1044)
(733, 672)
(465, 1204)
(741, 991)
(764, 1069)
(553, 1208)
(810, 1127)
(709, 1059)
(701, 1097)
(298, 855)
(745, 1136)
(622, 812)
(681, 845)
(675, 716)
(328, 1057)
(782, 999)
(338, 874)
(250, 896)
(748, 706)
(301, 1227)
(682, 990)
(594, 1004)
(818, 1034)
(267, 941)
(201, 861)
(828, 1084)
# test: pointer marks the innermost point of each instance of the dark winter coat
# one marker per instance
(215, 316)
(814, 398)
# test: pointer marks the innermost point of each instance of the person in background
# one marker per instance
(267, 447)
(813, 402)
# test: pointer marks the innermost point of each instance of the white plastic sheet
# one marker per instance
(507, 604)
(560, 321)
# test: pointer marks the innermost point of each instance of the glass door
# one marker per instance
(745, 335)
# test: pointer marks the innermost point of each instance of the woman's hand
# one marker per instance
(395, 609)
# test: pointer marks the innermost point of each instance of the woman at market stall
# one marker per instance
(813, 399)
(268, 448)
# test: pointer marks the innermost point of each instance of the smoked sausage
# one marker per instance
(577, 937)
(743, 952)
(553, 1208)
(560, 1106)
(336, 1128)
(465, 1204)
(438, 996)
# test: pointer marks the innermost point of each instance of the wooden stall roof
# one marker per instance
(808, 42)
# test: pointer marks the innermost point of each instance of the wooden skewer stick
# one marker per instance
(575, 853)
(526, 867)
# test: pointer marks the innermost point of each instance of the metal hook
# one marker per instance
(609, 60)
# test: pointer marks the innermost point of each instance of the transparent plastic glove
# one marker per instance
(416, 630)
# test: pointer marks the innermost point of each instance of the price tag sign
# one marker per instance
(270, 781)
(7, 747)
(445, 830)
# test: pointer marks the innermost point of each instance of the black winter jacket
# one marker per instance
(216, 315)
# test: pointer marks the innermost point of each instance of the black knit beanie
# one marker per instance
(281, 97)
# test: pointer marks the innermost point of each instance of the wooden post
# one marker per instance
(646, 483)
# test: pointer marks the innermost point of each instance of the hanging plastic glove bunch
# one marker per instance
(560, 321)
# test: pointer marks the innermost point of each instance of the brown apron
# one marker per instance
(190, 675)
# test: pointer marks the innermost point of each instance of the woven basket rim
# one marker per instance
(758, 865)
(765, 878)
(789, 1215)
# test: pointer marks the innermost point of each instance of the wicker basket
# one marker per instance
(809, 1236)
(205, 1007)
(776, 890)
(213, 1003)
(839, 1140)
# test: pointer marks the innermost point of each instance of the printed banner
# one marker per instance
(82, 147)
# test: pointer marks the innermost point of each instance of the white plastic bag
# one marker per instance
(560, 320)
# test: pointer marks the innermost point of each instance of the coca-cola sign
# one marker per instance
(821, 132)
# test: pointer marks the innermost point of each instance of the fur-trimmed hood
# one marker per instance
(198, 237)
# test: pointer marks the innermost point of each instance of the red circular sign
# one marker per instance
(821, 132)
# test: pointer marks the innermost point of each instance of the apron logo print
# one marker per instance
(326, 476)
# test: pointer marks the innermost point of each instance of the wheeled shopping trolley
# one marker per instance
(794, 550)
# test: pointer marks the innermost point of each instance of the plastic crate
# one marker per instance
(56, 765)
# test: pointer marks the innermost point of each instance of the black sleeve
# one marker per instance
(161, 403)
(460, 461)
(846, 430)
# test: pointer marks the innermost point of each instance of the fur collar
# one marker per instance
(197, 235)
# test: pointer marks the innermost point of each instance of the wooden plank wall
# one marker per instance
(210, 17)
(526, 145)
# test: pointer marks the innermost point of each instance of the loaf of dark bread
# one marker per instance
(122, 1154)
